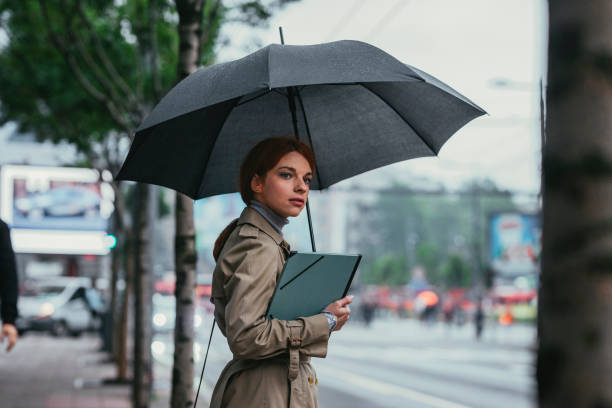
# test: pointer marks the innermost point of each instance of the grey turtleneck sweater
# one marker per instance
(277, 221)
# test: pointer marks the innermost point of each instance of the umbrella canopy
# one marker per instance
(358, 108)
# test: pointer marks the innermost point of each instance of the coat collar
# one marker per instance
(254, 218)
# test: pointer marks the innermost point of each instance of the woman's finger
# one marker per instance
(346, 300)
(343, 311)
(341, 322)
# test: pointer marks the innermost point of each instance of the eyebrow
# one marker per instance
(293, 170)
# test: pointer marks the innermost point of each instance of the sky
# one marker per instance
(468, 44)
(471, 45)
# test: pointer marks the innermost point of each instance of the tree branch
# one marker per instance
(76, 70)
(91, 64)
(108, 65)
(153, 16)
(208, 24)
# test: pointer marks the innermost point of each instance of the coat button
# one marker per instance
(316, 381)
(310, 380)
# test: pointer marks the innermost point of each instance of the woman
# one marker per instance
(271, 364)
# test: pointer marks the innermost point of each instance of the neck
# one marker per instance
(277, 221)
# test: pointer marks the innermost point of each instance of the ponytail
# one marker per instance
(223, 236)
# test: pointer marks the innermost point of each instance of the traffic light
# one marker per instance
(111, 241)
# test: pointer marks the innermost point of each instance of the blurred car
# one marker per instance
(60, 202)
(164, 313)
(60, 306)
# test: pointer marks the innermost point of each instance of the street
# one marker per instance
(397, 363)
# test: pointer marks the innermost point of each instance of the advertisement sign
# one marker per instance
(515, 243)
(56, 209)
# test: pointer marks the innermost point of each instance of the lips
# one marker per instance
(296, 201)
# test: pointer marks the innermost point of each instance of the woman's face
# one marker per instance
(285, 187)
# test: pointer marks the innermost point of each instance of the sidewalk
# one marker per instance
(48, 372)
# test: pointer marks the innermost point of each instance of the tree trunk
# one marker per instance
(123, 321)
(143, 295)
(118, 306)
(129, 264)
(185, 259)
(190, 31)
(575, 335)
(112, 309)
(117, 254)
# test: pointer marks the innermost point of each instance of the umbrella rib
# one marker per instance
(318, 172)
(212, 148)
(428, 144)
(278, 91)
(265, 92)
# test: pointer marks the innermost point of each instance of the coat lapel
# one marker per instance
(254, 218)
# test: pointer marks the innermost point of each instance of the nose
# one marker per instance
(300, 185)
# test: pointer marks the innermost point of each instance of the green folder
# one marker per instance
(311, 281)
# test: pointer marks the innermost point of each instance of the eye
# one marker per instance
(307, 180)
(285, 175)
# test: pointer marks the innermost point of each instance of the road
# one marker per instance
(399, 363)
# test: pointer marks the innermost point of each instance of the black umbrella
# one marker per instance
(356, 106)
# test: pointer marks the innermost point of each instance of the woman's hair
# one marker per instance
(258, 161)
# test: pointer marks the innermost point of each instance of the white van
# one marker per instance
(61, 306)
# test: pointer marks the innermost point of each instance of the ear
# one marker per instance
(257, 183)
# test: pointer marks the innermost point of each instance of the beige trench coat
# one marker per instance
(271, 364)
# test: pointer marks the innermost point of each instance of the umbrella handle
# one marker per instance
(280, 31)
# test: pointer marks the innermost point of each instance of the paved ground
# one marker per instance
(48, 372)
(402, 363)
(393, 363)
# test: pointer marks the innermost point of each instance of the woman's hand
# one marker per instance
(341, 309)
(10, 332)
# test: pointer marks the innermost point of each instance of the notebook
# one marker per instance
(309, 282)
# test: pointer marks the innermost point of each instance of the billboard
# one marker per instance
(514, 243)
(56, 209)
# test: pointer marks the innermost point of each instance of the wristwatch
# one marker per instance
(332, 320)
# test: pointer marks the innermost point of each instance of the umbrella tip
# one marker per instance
(282, 38)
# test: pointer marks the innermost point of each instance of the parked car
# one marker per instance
(60, 306)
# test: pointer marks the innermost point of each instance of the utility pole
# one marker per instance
(476, 235)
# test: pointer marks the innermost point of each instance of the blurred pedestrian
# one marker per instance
(367, 311)
(271, 363)
(8, 288)
(479, 319)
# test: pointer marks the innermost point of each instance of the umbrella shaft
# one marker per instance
(312, 242)
(290, 92)
(291, 98)
(297, 136)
